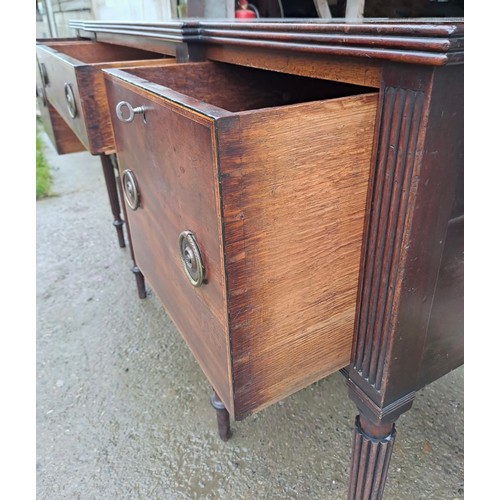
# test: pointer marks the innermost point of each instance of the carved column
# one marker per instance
(415, 166)
(371, 454)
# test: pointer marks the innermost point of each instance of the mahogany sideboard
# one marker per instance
(294, 191)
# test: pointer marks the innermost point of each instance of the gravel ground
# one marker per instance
(122, 406)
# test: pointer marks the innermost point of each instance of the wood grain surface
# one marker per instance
(173, 158)
(340, 69)
(434, 42)
(80, 64)
(294, 183)
(236, 88)
(292, 180)
(62, 137)
(88, 52)
(417, 166)
(59, 73)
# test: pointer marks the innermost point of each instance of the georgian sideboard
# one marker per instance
(293, 190)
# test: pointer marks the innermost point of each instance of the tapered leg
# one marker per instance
(139, 281)
(110, 179)
(139, 277)
(371, 454)
(223, 422)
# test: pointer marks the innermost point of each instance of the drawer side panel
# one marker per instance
(294, 191)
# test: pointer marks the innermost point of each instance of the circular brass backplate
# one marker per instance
(70, 100)
(130, 189)
(191, 259)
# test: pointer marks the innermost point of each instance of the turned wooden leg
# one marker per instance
(139, 277)
(371, 454)
(139, 281)
(110, 179)
(223, 422)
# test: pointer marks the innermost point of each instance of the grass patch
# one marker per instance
(43, 177)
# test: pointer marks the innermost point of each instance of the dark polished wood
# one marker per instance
(79, 64)
(223, 418)
(419, 152)
(407, 265)
(444, 344)
(176, 38)
(172, 158)
(421, 41)
(192, 153)
(139, 281)
(60, 134)
(371, 455)
(406, 319)
(108, 170)
(139, 277)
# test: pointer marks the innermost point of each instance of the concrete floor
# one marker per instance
(122, 406)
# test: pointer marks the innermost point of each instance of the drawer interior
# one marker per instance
(238, 88)
(97, 52)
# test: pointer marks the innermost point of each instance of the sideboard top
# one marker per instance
(422, 41)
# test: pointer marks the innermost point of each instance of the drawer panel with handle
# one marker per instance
(62, 137)
(246, 198)
(73, 85)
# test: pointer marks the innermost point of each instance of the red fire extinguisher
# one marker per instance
(246, 10)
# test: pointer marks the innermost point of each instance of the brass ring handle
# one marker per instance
(130, 189)
(131, 112)
(70, 100)
(191, 259)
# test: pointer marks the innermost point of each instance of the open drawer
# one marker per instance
(72, 85)
(62, 137)
(246, 194)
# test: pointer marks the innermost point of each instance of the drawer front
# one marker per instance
(75, 88)
(62, 91)
(62, 137)
(172, 156)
